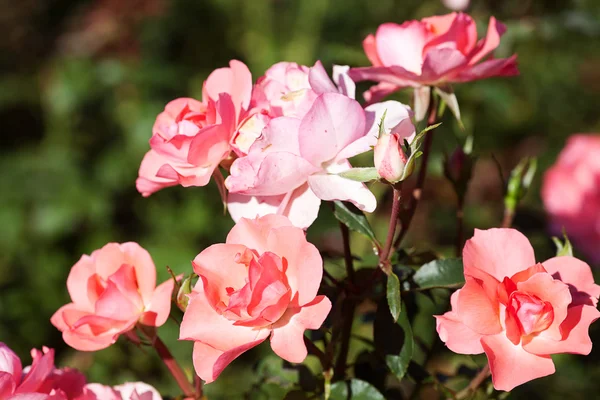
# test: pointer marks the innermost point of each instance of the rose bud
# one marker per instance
(389, 157)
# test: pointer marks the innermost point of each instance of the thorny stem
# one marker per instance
(394, 217)
(460, 229)
(475, 383)
(171, 363)
(348, 309)
(417, 191)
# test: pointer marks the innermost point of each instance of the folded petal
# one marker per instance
(319, 80)
(499, 252)
(38, 372)
(304, 263)
(511, 365)
(235, 80)
(331, 187)
(145, 270)
(302, 207)
(457, 336)
(575, 337)
(137, 391)
(370, 47)
(379, 91)
(255, 232)
(345, 84)
(441, 62)
(488, 69)
(393, 76)
(492, 40)
(209, 362)
(476, 310)
(287, 339)
(159, 306)
(77, 282)
(578, 275)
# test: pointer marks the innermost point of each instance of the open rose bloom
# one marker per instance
(112, 290)
(431, 52)
(262, 282)
(571, 193)
(190, 138)
(517, 311)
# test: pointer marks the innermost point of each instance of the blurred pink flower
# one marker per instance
(430, 52)
(517, 311)
(112, 290)
(40, 381)
(126, 391)
(456, 5)
(190, 138)
(571, 193)
(262, 282)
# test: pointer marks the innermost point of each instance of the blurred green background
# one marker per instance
(82, 81)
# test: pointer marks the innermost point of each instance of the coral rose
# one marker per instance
(517, 311)
(112, 290)
(262, 282)
(571, 193)
(433, 51)
(190, 138)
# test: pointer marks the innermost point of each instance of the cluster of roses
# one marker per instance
(285, 143)
(43, 381)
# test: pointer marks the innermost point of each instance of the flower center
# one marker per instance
(532, 314)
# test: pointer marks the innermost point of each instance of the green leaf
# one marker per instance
(361, 174)
(446, 273)
(563, 249)
(354, 219)
(393, 295)
(381, 124)
(354, 389)
(398, 364)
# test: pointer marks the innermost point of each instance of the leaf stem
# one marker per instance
(475, 383)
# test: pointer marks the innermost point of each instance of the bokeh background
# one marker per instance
(80, 85)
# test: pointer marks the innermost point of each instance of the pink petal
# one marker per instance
(29, 396)
(553, 291)
(242, 206)
(499, 252)
(370, 47)
(7, 384)
(319, 80)
(254, 233)
(77, 281)
(511, 365)
(287, 339)
(209, 362)
(578, 275)
(159, 306)
(302, 207)
(476, 310)
(381, 90)
(394, 76)
(10, 362)
(402, 45)
(218, 268)
(145, 270)
(210, 146)
(489, 43)
(489, 69)
(332, 123)
(116, 305)
(345, 84)
(88, 342)
(333, 187)
(38, 372)
(96, 391)
(456, 31)
(235, 80)
(137, 391)
(441, 62)
(456, 335)
(574, 329)
(304, 263)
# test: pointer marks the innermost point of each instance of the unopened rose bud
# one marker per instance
(182, 294)
(389, 157)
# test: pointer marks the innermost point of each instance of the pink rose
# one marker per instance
(571, 193)
(40, 381)
(517, 311)
(297, 160)
(433, 51)
(262, 282)
(126, 391)
(112, 290)
(388, 156)
(190, 138)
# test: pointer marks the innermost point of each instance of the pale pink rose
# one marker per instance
(262, 282)
(190, 138)
(126, 391)
(571, 193)
(388, 156)
(517, 311)
(302, 156)
(112, 290)
(432, 51)
(30, 383)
